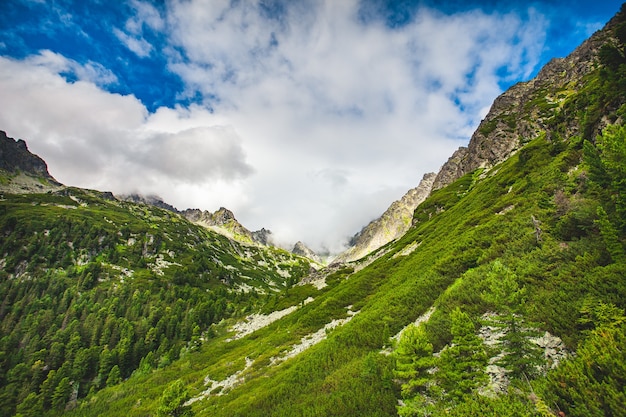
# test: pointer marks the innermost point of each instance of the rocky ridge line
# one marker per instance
(522, 112)
(517, 116)
(394, 223)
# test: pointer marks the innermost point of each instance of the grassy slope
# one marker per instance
(461, 229)
(81, 274)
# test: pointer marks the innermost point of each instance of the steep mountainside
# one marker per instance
(393, 223)
(515, 118)
(20, 170)
(528, 108)
(505, 297)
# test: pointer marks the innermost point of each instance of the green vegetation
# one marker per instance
(119, 309)
(96, 290)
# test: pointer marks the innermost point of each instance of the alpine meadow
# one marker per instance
(503, 295)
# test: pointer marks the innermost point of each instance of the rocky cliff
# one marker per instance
(15, 156)
(24, 171)
(526, 110)
(303, 250)
(223, 221)
(394, 222)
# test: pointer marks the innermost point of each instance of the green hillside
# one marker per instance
(95, 290)
(120, 309)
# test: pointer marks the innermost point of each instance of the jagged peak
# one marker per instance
(391, 225)
(303, 250)
(27, 172)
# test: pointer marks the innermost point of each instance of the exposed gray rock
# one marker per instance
(394, 223)
(553, 347)
(26, 172)
(15, 156)
(263, 236)
(303, 250)
(520, 114)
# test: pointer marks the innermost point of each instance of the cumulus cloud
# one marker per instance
(90, 71)
(318, 119)
(343, 115)
(95, 139)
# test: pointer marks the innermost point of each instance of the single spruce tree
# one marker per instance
(522, 357)
(414, 360)
(462, 364)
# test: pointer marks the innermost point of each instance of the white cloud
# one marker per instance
(320, 122)
(95, 139)
(91, 71)
(138, 45)
(318, 91)
(147, 15)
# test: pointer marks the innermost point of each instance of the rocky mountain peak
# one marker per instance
(522, 112)
(303, 250)
(27, 172)
(15, 157)
(223, 216)
(394, 223)
(223, 221)
(263, 236)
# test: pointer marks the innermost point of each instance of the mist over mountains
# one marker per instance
(494, 287)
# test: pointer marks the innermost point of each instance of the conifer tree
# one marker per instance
(61, 394)
(414, 357)
(522, 356)
(462, 364)
(115, 376)
(173, 401)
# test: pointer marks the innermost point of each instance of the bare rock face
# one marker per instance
(15, 157)
(521, 113)
(23, 171)
(303, 250)
(263, 236)
(223, 221)
(391, 225)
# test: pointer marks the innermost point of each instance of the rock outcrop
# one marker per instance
(303, 250)
(223, 221)
(15, 157)
(394, 223)
(25, 172)
(522, 112)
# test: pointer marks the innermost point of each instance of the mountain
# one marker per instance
(303, 250)
(223, 221)
(526, 109)
(393, 223)
(505, 296)
(515, 118)
(95, 289)
(20, 170)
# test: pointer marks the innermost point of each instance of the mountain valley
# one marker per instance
(495, 287)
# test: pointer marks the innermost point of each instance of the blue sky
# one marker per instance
(305, 117)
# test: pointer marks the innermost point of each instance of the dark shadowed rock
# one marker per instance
(15, 157)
